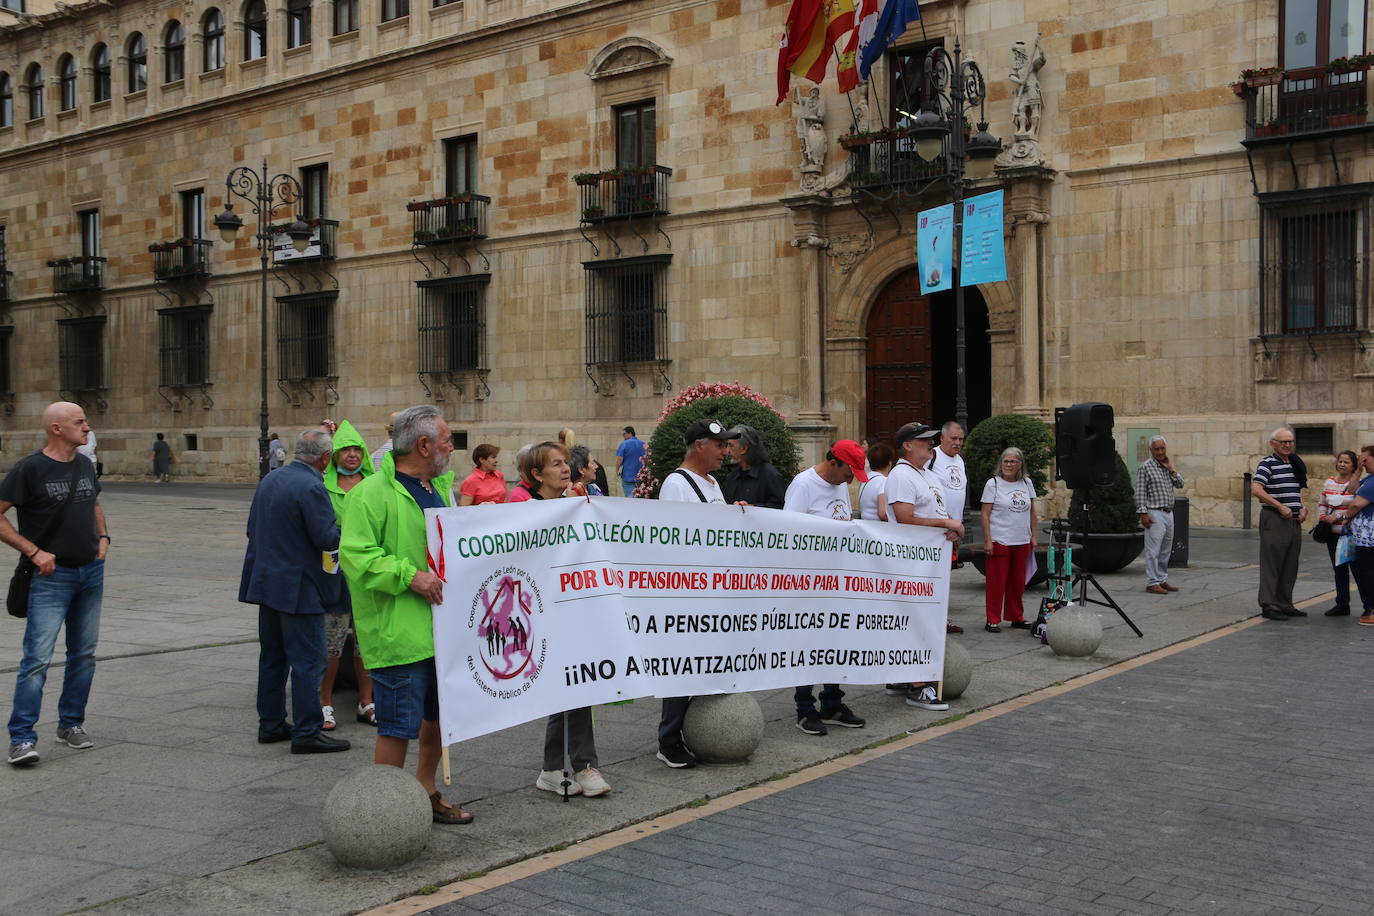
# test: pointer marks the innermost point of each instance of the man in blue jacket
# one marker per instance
(291, 571)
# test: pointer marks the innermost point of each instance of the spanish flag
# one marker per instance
(813, 27)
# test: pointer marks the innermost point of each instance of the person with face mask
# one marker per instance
(346, 470)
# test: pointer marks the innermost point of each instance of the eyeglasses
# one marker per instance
(1284, 441)
(1011, 461)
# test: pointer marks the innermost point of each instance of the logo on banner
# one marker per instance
(509, 655)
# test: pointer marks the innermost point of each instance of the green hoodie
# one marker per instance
(382, 548)
(344, 436)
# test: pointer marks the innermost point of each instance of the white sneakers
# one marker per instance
(587, 782)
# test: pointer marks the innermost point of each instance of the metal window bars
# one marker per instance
(81, 353)
(305, 336)
(1314, 256)
(184, 346)
(627, 313)
(453, 325)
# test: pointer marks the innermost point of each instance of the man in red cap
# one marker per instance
(824, 490)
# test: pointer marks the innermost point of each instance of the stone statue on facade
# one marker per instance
(811, 130)
(1026, 104)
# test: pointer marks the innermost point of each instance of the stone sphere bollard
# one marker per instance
(725, 728)
(377, 817)
(958, 670)
(1074, 632)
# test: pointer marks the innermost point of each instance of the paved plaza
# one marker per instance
(1238, 766)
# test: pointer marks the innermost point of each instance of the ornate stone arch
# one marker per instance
(627, 55)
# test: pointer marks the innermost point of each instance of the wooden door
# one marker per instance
(897, 384)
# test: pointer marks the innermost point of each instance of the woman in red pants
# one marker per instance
(1009, 538)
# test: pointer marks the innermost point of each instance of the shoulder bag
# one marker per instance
(17, 599)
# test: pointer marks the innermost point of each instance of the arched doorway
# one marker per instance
(897, 370)
(910, 371)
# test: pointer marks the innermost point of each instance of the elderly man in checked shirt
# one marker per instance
(1155, 483)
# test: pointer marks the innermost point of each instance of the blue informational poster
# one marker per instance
(983, 256)
(935, 248)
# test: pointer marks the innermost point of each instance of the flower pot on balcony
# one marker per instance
(1349, 119)
(1270, 77)
(856, 141)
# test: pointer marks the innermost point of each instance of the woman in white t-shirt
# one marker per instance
(1009, 538)
(873, 495)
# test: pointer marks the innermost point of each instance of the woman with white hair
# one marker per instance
(1009, 539)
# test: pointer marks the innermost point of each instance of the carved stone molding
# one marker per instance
(627, 55)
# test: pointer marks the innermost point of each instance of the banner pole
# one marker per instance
(448, 774)
(567, 759)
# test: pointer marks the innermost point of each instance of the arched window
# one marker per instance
(254, 30)
(297, 23)
(66, 75)
(138, 63)
(6, 100)
(173, 52)
(100, 74)
(212, 30)
(33, 85)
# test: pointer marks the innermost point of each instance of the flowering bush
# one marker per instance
(729, 402)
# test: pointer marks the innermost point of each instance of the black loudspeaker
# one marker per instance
(1084, 453)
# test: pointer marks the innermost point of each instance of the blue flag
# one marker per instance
(893, 20)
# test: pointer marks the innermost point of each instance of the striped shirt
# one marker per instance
(1279, 481)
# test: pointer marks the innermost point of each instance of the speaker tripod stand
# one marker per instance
(1065, 580)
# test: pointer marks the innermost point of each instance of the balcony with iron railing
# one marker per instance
(623, 193)
(886, 160)
(1310, 101)
(182, 259)
(319, 247)
(80, 274)
(449, 220)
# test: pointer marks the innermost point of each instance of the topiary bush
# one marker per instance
(728, 403)
(985, 442)
(1113, 505)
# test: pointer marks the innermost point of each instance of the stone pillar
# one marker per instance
(812, 426)
(1028, 211)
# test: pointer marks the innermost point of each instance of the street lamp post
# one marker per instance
(264, 195)
(951, 87)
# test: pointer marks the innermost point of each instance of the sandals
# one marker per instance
(444, 813)
(368, 714)
(330, 723)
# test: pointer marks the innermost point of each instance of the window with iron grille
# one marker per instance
(305, 336)
(6, 334)
(1313, 262)
(627, 311)
(184, 345)
(453, 324)
(81, 353)
(1314, 440)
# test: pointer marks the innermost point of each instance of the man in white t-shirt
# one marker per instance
(823, 490)
(948, 464)
(916, 497)
(692, 482)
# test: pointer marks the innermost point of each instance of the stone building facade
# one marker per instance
(540, 213)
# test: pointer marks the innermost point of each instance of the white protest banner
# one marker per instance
(556, 605)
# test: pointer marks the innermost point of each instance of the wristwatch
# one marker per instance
(104, 537)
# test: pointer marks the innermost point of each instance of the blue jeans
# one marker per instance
(290, 644)
(831, 697)
(1342, 574)
(628, 487)
(71, 596)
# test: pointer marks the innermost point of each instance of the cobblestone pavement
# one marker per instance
(1229, 778)
(177, 810)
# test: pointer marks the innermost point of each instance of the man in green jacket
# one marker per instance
(384, 559)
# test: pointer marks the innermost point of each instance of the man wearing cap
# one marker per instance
(823, 490)
(915, 497)
(692, 482)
